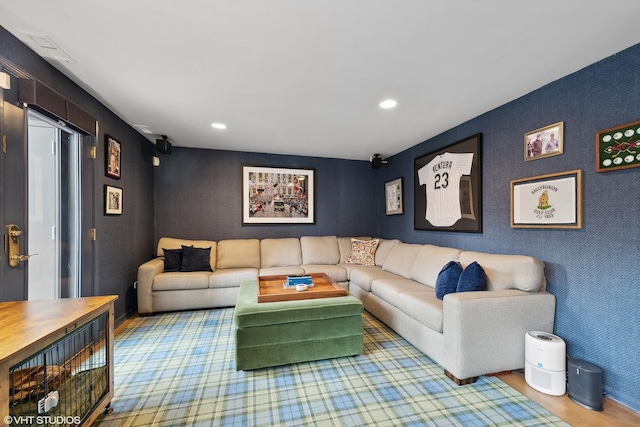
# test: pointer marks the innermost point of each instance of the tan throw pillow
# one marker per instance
(363, 252)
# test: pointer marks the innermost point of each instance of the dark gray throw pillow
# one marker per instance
(196, 259)
(172, 259)
(447, 281)
(472, 279)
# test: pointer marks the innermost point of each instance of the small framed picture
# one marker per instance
(547, 201)
(113, 157)
(112, 200)
(544, 142)
(393, 197)
(618, 147)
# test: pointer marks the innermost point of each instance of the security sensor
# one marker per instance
(376, 161)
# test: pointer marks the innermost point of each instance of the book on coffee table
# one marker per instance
(303, 279)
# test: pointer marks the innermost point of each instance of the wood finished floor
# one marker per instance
(574, 414)
(613, 414)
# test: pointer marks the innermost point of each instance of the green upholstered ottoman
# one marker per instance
(279, 333)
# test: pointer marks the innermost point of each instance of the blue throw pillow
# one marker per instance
(472, 279)
(447, 281)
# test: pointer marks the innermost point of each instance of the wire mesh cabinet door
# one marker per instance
(68, 378)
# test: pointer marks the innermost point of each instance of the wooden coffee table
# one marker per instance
(271, 288)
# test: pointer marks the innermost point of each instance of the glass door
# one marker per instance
(53, 237)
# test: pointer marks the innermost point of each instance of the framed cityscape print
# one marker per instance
(393, 197)
(277, 195)
(113, 157)
(544, 142)
(618, 147)
(547, 201)
(448, 188)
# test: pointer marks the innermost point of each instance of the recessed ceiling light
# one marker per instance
(388, 103)
(219, 126)
(143, 128)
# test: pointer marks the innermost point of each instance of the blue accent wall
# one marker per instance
(198, 195)
(594, 272)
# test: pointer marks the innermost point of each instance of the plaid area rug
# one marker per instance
(178, 369)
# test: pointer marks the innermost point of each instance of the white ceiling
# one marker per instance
(305, 77)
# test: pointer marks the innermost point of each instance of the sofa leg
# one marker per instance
(458, 381)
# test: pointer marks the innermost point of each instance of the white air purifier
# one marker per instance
(545, 362)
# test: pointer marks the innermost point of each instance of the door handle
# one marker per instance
(14, 258)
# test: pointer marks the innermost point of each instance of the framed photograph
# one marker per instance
(547, 201)
(277, 195)
(393, 197)
(112, 200)
(113, 157)
(544, 142)
(618, 147)
(448, 188)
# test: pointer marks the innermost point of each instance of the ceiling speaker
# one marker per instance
(163, 145)
(376, 161)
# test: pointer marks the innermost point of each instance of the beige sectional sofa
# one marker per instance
(468, 333)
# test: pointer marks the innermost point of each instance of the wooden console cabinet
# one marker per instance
(62, 334)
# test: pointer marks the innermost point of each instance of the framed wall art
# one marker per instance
(544, 142)
(112, 200)
(618, 147)
(448, 188)
(277, 195)
(113, 157)
(393, 197)
(547, 201)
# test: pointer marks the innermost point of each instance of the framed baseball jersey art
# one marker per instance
(448, 188)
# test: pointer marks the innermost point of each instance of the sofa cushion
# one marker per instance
(173, 243)
(508, 271)
(337, 273)
(232, 277)
(401, 259)
(344, 245)
(423, 306)
(448, 277)
(280, 252)
(384, 249)
(279, 271)
(320, 250)
(172, 259)
(389, 289)
(196, 259)
(238, 253)
(363, 252)
(429, 262)
(363, 276)
(180, 280)
(472, 279)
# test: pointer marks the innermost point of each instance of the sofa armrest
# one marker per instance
(484, 332)
(146, 273)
